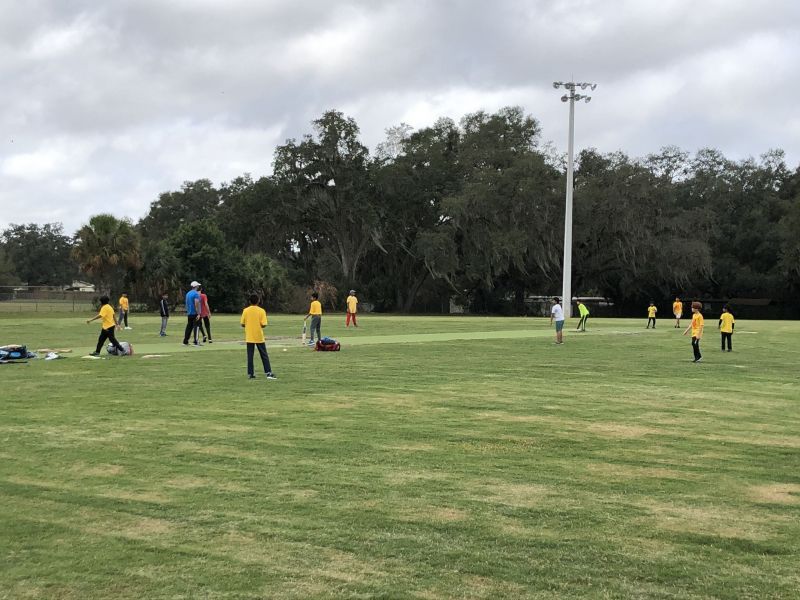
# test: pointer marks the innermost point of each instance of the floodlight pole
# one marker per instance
(571, 97)
(566, 287)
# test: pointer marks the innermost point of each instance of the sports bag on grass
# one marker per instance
(327, 344)
(15, 352)
(125, 346)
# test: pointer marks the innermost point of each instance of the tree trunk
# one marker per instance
(412, 294)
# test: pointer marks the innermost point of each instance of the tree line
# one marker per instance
(471, 211)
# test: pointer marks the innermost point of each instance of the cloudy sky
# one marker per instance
(103, 105)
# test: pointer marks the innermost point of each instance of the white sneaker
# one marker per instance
(129, 328)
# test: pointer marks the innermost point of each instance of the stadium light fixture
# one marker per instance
(566, 299)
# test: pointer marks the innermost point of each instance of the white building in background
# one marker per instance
(81, 286)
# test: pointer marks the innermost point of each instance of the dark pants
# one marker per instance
(729, 337)
(123, 317)
(206, 333)
(108, 334)
(262, 351)
(582, 323)
(651, 320)
(316, 325)
(696, 348)
(191, 326)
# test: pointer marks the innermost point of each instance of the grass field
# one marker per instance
(449, 457)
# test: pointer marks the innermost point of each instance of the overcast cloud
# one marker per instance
(103, 105)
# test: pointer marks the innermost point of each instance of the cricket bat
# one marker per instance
(304, 332)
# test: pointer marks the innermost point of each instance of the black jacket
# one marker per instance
(163, 307)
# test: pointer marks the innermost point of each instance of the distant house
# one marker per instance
(81, 286)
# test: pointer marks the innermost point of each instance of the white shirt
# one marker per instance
(557, 312)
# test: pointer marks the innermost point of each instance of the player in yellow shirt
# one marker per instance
(315, 312)
(107, 325)
(352, 307)
(123, 310)
(254, 319)
(726, 324)
(677, 310)
(651, 315)
(696, 327)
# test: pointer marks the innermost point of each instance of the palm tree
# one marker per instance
(106, 249)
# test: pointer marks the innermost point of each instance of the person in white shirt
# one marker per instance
(557, 316)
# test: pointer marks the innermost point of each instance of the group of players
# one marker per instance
(198, 320)
(726, 323)
(254, 320)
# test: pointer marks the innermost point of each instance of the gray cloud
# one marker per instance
(107, 104)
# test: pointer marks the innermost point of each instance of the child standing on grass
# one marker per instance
(123, 310)
(254, 319)
(651, 315)
(107, 326)
(163, 310)
(677, 310)
(557, 316)
(315, 312)
(352, 308)
(726, 323)
(696, 327)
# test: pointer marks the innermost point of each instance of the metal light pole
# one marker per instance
(571, 97)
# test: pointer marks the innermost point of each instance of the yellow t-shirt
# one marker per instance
(316, 308)
(352, 304)
(254, 319)
(123, 303)
(677, 308)
(697, 325)
(727, 323)
(651, 312)
(107, 315)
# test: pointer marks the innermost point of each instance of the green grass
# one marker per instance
(416, 463)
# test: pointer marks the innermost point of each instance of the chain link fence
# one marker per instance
(46, 299)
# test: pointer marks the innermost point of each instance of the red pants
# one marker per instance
(347, 319)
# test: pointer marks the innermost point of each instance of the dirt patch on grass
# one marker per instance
(524, 495)
(298, 494)
(187, 483)
(776, 441)
(511, 418)
(475, 587)
(225, 451)
(622, 430)
(418, 447)
(636, 472)
(100, 470)
(399, 477)
(233, 428)
(145, 527)
(330, 405)
(776, 493)
(120, 524)
(150, 497)
(435, 514)
(710, 520)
